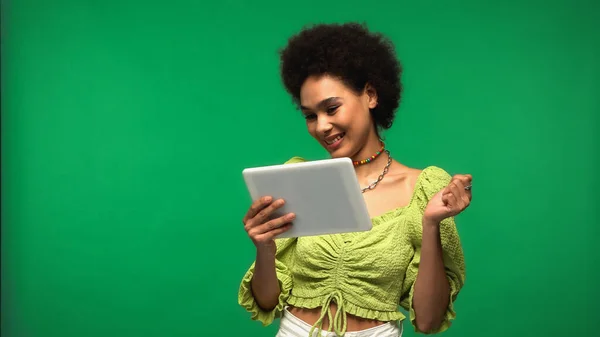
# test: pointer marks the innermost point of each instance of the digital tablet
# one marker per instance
(324, 194)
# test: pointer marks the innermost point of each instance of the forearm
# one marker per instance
(265, 285)
(431, 293)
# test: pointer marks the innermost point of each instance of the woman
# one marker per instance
(345, 80)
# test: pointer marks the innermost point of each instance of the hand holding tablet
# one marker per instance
(322, 197)
(261, 226)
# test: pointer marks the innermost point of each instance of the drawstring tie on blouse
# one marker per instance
(339, 322)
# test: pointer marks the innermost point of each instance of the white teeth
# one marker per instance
(333, 141)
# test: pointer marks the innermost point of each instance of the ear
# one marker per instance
(371, 96)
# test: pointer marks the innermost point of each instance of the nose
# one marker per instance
(323, 125)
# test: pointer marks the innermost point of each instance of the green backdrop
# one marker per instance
(126, 125)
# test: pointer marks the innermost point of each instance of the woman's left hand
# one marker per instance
(450, 201)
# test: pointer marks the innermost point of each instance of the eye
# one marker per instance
(332, 110)
(310, 116)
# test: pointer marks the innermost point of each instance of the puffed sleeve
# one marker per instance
(283, 264)
(432, 181)
(283, 261)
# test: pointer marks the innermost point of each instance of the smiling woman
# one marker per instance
(346, 81)
(327, 101)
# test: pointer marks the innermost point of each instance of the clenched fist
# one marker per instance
(451, 200)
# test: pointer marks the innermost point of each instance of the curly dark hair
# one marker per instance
(351, 53)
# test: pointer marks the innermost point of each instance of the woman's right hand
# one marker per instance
(260, 228)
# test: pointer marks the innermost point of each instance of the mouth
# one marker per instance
(333, 142)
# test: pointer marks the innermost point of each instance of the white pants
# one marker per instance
(292, 326)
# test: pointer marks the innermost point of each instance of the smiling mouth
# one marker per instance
(332, 141)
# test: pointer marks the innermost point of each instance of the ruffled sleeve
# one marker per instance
(432, 180)
(283, 260)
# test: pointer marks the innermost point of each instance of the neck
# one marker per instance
(375, 166)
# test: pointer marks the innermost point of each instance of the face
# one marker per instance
(336, 116)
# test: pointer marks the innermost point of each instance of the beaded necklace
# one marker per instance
(370, 159)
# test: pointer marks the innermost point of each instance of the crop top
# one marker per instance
(368, 274)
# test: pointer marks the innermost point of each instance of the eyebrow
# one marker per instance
(322, 104)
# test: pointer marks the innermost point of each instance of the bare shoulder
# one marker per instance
(405, 174)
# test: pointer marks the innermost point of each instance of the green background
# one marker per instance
(126, 125)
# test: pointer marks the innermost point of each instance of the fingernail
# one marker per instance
(290, 216)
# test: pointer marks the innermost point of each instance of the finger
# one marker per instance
(450, 200)
(466, 192)
(271, 234)
(464, 177)
(274, 224)
(466, 199)
(256, 207)
(459, 182)
(465, 185)
(445, 198)
(265, 214)
(265, 211)
(455, 187)
(462, 199)
(446, 194)
(446, 190)
(467, 180)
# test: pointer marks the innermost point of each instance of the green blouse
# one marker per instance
(368, 274)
